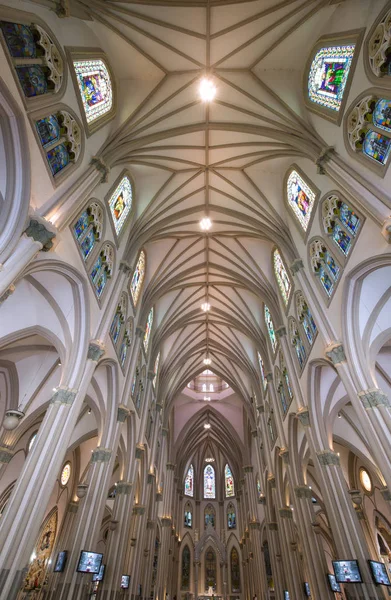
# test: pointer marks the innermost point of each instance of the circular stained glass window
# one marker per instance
(365, 480)
(32, 440)
(66, 473)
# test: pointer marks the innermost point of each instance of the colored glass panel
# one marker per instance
(270, 328)
(185, 579)
(283, 400)
(377, 147)
(189, 482)
(342, 239)
(209, 516)
(287, 381)
(332, 265)
(87, 244)
(32, 79)
(282, 277)
(99, 276)
(262, 369)
(349, 219)
(95, 88)
(20, 40)
(382, 114)
(188, 518)
(259, 489)
(325, 280)
(65, 474)
(48, 130)
(300, 350)
(148, 330)
(123, 351)
(229, 482)
(209, 482)
(300, 198)
(81, 224)
(138, 277)
(116, 326)
(235, 571)
(231, 517)
(156, 370)
(120, 204)
(329, 74)
(58, 158)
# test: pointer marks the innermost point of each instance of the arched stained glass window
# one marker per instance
(324, 266)
(88, 229)
(60, 136)
(156, 370)
(229, 482)
(209, 482)
(369, 129)
(210, 516)
(272, 430)
(126, 342)
(235, 571)
(301, 198)
(329, 74)
(102, 269)
(340, 222)
(270, 328)
(305, 318)
(186, 566)
(95, 88)
(189, 482)
(297, 343)
(231, 516)
(281, 392)
(188, 520)
(138, 278)
(282, 277)
(285, 376)
(259, 489)
(120, 203)
(119, 319)
(263, 374)
(148, 329)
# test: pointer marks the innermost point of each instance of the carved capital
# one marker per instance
(271, 481)
(150, 375)
(63, 395)
(124, 487)
(328, 458)
(324, 156)
(125, 267)
(296, 266)
(139, 332)
(373, 398)
(6, 455)
(151, 477)
(101, 166)
(139, 450)
(122, 413)
(159, 497)
(385, 492)
(40, 231)
(269, 376)
(96, 350)
(73, 507)
(158, 407)
(260, 409)
(101, 455)
(272, 526)
(138, 509)
(336, 353)
(303, 414)
(62, 9)
(166, 521)
(303, 491)
(8, 292)
(170, 466)
(254, 525)
(248, 469)
(284, 453)
(285, 513)
(164, 431)
(280, 331)
(254, 433)
(262, 499)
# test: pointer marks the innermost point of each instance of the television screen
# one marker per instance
(60, 562)
(89, 562)
(286, 595)
(347, 571)
(125, 581)
(307, 590)
(379, 573)
(334, 585)
(99, 576)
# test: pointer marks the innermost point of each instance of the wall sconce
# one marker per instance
(12, 419)
(81, 490)
(113, 525)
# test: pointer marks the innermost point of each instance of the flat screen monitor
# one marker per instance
(99, 576)
(286, 595)
(347, 571)
(89, 562)
(125, 581)
(307, 590)
(334, 585)
(379, 573)
(60, 562)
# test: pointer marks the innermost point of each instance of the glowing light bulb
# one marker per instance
(205, 224)
(207, 398)
(207, 90)
(207, 426)
(205, 306)
(207, 361)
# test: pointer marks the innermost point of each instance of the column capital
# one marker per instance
(260, 409)
(122, 413)
(284, 453)
(386, 230)
(336, 353)
(328, 458)
(6, 455)
(166, 521)
(124, 487)
(8, 292)
(96, 350)
(272, 526)
(254, 433)
(41, 231)
(125, 267)
(385, 492)
(296, 266)
(151, 477)
(373, 398)
(73, 507)
(159, 496)
(303, 491)
(271, 481)
(303, 414)
(101, 166)
(324, 156)
(150, 375)
(248, 469)
(170, 466)
(254, 524)
(280, 331)
(285, 513)
(139, 332)
(101, 455)
(151, 524)
(269, 376)
(158, 407)
(138, 509)
(63, 395)
(139, 450)
(164, 431)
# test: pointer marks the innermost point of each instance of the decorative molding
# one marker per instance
(296, 266)
(6, 455)
(280, 331)
(269, 376)
(284, 453)
(303, 491)
(374, 398)
(285, 513)
(101, 455)
(254, 433)
(73, 507)
(124, 487)
(166, 521)
(271, 481)
(159, 497)
(328, 458)
(325, 155)
(272, 526)
(303, 414)
(101, 166)
(138, 509)
(248, 469)
(125, 267)
(150, 375)
(151, 477)
(40, 232)
(139, 450)
(96, 350)
(8, 292)
(262, 499)
(63, 395)
(139, 332)
(170, 466)
(336, 353)
(254, 525)
(159, 408)
(122, 413)
(385, 492)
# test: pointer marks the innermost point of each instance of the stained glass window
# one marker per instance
(156, 370)
(189, 482)
(32, 440)
(377, 146)
(65, 474)
(148, 329)
(88, 229)
(186, 566)
(102, 269)
(306, 319)
(188, 516)
(340, 222)
(126, 342)
(235, 571)
(138, 277)
(297, 343)
(300, 198)
(270, 328)
(329, 74)
(259, 489)
(95, 88)
(118, 320)
(262, 369)
(282, 395)
(120, 203)
(324, 266)
(282, 276)
(229, 482)
(209, 482)
(210, 516)
(231, 516)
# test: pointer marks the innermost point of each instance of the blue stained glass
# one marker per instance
(308, 330)
(209, 516)
(189, 482)
(87, 244)
(342, 239)
(101, 282)
(81, 224)
(134, 384)
(332, 265)
(116, 326)
(377, 146)
(188, 518)
(288, 383)
(329, 74)
(20, 40)
(58, 158)
(32, 79)
(349, 219)
(325, 280)
(148, 329)
(209, 482)
(382, 114)
(123, 351)
(270, 328)
(48, 130)
(231, 518)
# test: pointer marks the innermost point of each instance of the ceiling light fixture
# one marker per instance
(207, 398)
(209, 460)
(205, 306)
(205, 224)
(207, 90)
(207, 361)
(207, 425)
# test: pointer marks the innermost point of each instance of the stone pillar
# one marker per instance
(292, 568)
(115, 290)
(254, 528)
(166, 522)
(26, 509)
(196, 578)
(138, 550)
(38, 236)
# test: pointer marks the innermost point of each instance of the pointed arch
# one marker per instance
(235, 570)
(138, 277)
(210, 516)
(120, 203)
(324, 266)
(297, 343)
(88, 228)
(209, 482)
(229, 482)
(340, 223)
(231, 516)
(270, 328)
(189, 482)
(188, 515)
(301, 197)
(283, 279)
(305, 318)
(148, 330)
(262, 370)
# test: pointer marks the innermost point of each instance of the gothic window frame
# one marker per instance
(135, 305)
(294, 332)
(105, 243)
(231, 509)
(147, 349)
(188, 508)
(156, 365)
(326, 298)
(233, 589)
(129, 217)
(275, 349)
(271, 427)
(187, 588)
(138, 397)
(129, 326)
(345, 38)
(286, 304)
(281, 389)
(91, 256)
(14, 15)
(76, 53)
(352, 128)
(209, 507)
(122, 311)
(136, 377)
(374, 53)
(314, 189)
(36, 115)
(209, 466)
(354, 236)
(299, 294)
(262, 371)
(225, 482)
(191, 467)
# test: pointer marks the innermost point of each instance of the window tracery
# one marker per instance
(138, 278)
(379, 47)
(189, 482)
(262, 370)
(88, 229)
(324, 266)
(210, 516)
(148, 329)
(369, 130)
(229, 482)
(329, 74)
(297, 343)
(305, 318)
(95, 88)
(282, 277)
(270, 328)
(340, 222)
(301, 198)
(120, 204)
(103, 269)
(188, 517)
(60, 137)
(209, 482)
(231, 516)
